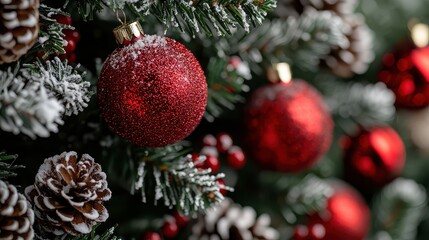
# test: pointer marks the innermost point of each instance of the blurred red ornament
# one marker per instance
(373, 158)
(212, 163)
(405, 71)
(236, 158)
(152, 236)
(181, 220)
(209, 140)
(224, 142)
(346, 216)
(288, 126)
(74, 34)
(63, 19)
(170, 229)
(153, 91)
(71, 45)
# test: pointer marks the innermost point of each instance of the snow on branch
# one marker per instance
(34, 97)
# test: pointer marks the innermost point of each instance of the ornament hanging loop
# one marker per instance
(123, 22)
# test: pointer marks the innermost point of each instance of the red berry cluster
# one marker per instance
(70, 39)
(222, 144)
(170, 228)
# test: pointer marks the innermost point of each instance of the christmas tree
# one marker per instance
(214, 119)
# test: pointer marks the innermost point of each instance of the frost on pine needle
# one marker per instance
(181, 184)
(34, 98)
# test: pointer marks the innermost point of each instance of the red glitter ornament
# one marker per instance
(153, 91)
(288, 126)
(405, 71)
(346, 216)
(373, 158)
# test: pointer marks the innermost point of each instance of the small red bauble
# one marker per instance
(346, 216)
(74, 34)
(152, 236)
(212, 163)
(71, 45)
(405, 71)
(373, 157)
(209, 140)
(236, 158)
(288, 126)
(224, 142)
(63, 19)
(170, 229)
(300, 233)
(152, 92)
(181, 220)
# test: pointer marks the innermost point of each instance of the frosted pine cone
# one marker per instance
(68, 195)
(16, 216)
(355, 57)
(287, 8)
(19, 28)
(231, 221)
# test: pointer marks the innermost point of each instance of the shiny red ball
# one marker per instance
(152, 92)
(170, 229)
(212, 163)
(71, 45)
(63, 19)
(236, 158)
(152, 236)
(288, 126)
(181, 220)
(373, 157)
(405, 72)
(346, 216)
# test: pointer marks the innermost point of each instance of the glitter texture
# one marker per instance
(288, 126)
(152, 92)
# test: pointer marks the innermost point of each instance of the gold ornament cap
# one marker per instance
(127, 31)
(279, 72)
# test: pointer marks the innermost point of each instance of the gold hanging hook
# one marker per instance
(119, 19)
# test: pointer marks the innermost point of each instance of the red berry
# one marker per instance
(209, 151)
(236, 157)
(181, 220)
(71, 45)
(222, 183)
(300, 233)
(66, 20)
(212, 163)
(152, 236)
(195, 157)
(224, 142)
(74, 34)
(71, 57)
(209, 140)
(170, 229)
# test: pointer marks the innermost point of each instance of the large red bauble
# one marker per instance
(288, 126)
(152, 92)
(346, 216)
(405, 71)
(373, 158)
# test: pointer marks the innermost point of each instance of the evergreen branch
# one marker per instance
(177, 180)
(86, 8)
(356, 103)
(301, 41)
(108, 235)
(225, 82)
(34, 98)
(305, 196)
(50, 40)
(399, 209)
(7, 169)
(212, 16)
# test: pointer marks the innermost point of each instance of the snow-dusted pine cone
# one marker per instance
(287, 8)
(232, 221)
(16, 216)
(19, 28)
(68, 195)
(356, 57)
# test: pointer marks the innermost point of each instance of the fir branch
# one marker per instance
(357, 103)
(226, 80)
(51, 38)
(7, 169)
(107, 235)
(176, 180)
(305, 196)
(87, 8)
(399, 209)
(301, 41)
(34, 98)
(217, 17)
